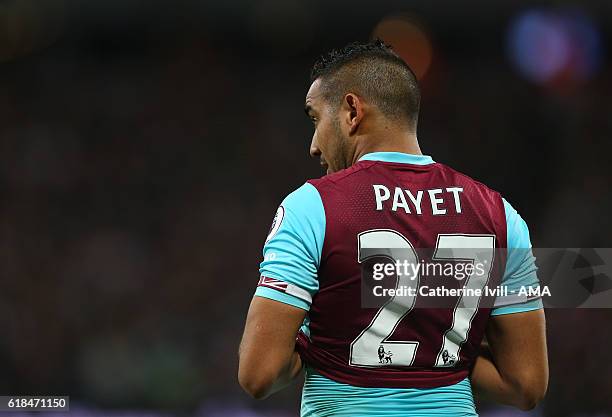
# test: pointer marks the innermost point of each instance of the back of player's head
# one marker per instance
(373, 71)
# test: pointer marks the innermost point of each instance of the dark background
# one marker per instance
(145, 146)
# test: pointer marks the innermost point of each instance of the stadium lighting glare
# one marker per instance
(554, 47)
(408, 39)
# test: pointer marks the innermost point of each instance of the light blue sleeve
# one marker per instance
(292, 252)
(521, 270)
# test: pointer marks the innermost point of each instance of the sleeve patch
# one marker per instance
(513, 299)
(276, 222)
(285, 287)
(531, 305)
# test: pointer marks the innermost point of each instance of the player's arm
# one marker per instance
(514, 368)
(268, 360)
(289, 279)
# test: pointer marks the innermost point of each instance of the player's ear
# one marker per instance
(354, 112)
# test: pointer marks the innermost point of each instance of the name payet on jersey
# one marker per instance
(412, 202)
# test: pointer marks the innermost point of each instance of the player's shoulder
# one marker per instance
(302, 198)
(300, 211)
(475, 185)
(465, 177)
(516, 225)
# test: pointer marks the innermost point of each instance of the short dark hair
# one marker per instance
(373, 70)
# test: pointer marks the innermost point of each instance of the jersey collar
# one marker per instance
(398, 157)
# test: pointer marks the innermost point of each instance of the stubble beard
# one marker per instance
(341, 157)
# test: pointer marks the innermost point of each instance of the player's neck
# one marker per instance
(404, 143)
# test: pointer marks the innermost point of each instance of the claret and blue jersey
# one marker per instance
(398, 359)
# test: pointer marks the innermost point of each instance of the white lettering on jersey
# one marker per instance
(382, 194)
(439, 199)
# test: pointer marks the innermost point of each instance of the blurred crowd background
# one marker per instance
(145, 146)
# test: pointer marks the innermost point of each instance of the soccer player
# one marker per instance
(382, 197)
